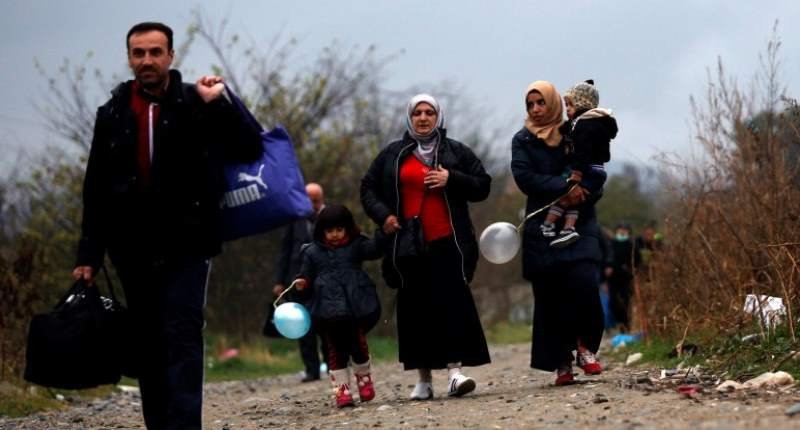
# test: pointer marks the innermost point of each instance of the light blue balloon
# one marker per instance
(292, 320)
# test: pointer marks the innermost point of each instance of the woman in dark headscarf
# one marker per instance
(430, 176)
(567, 312)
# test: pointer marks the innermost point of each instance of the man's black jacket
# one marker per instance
(295, 236)
(178, 214)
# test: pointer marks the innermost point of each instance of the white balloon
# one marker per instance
(499, 242)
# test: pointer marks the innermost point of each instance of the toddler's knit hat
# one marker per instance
(584, 95)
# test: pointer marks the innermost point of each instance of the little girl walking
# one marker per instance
(343, 300)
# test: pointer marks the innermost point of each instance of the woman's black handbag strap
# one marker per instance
(110, 285)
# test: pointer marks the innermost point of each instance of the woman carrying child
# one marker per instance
(343, 300)
(567, 312)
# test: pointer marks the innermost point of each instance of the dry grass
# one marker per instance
(734, 223)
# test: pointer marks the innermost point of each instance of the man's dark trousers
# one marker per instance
(166, 298)
(309, 351)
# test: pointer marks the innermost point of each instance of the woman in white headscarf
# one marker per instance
(427, 179)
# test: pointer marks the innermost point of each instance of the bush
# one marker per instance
(733, 227)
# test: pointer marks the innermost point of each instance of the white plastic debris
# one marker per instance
(633, 358)
(764, 380)
(729, 385)
(768, 309)
(770, 379)
(668, 373)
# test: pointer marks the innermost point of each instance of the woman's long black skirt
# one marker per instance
(437, 322)
(566, 306)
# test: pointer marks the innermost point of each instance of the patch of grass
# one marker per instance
(255, 359)
(505, 333)
(268, 357)
(655, 352)
(745, 359)
(16, 401)
(725, 355)
(383, 349)
(24, 403)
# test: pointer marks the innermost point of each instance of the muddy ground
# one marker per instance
(509, 395)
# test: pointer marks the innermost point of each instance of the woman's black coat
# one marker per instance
(537, 170)
(468, 182)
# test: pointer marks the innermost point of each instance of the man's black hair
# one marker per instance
(144, 27)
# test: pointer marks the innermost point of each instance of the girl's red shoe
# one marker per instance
(343, 397)
(366, 390)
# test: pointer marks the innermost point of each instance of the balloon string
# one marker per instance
(537, 211)
(275, 303)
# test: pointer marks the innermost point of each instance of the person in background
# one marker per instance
(606, 268)
(297, 234)
(650, 239)
(649, 244)
(620, 282)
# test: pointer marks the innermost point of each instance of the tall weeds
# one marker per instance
(734, 224)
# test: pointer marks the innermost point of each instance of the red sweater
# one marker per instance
(433, 211)
(146, 113)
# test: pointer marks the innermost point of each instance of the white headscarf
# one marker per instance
(426, 144)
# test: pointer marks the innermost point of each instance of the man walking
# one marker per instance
(296, 235)
(151, 201)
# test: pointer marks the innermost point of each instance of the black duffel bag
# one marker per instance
(79, 344)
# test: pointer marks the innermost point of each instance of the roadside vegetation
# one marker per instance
(729, 219)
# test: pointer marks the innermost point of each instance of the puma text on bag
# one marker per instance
(264, 194)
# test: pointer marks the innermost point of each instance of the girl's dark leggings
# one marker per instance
(347, 340)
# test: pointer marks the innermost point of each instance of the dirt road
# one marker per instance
(510, 395)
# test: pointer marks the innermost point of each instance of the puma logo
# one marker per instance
(244, 177)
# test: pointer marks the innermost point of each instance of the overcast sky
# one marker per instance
(646, 57)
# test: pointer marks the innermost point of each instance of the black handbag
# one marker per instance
(79, 344)
(410, 241)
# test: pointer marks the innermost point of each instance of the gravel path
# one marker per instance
(510, 395)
